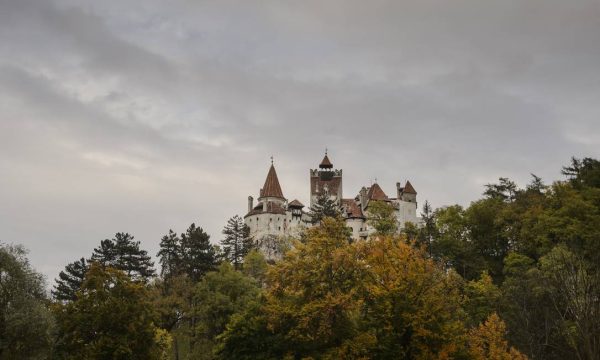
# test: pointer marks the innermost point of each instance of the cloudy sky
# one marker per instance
(142, 116)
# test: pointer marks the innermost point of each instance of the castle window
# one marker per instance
(280, 228)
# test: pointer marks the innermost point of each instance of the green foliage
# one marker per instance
(198, 256)
(583, 172)
(504, 190)
(123, 253)
(381, 216)
(255, 266)
(217, 297)
(483, 298)
(574, 288)
(191, 254)
(322, 208)
(112, 318)
(170, 255)
(26, 325)
(69, 281)
(237, 242)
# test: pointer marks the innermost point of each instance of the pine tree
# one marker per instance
(322, 208)
(112, 319)
(105, 254)
(123, 253)
(237, 242)
(197, 254)
(170, 255)
(428, 229)
(69, 281)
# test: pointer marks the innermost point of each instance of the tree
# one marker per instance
(26, 325)
(412, 305)
(255, 266)
(583, 172)
(332, 299)
(505, 190)
(482, 298)
(381, 216)
(310, 302)
(428, 231)
(170, 255)
(198, 256)
(237, 242)
(112, 318)
(218, 296)
(487, 342)
(123, 253)
(69, 281)
(575, 289)
(323, 207)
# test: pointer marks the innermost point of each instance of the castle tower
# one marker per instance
(325, 180)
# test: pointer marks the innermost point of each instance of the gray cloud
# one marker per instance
(140, 117)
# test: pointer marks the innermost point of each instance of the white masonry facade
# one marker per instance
(274, 220)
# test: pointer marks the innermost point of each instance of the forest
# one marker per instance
(514, 275)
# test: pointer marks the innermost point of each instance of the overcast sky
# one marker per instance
(141, 116)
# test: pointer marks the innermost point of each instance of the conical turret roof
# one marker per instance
(272, 187)
(325, 163)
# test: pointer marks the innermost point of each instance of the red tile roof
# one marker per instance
(295, 203)
(352, 209)
(272, 208)
(376, 193)
(409, 189)
(272, 187)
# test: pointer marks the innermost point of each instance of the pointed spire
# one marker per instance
(272, 187)
(325, 163)
(409, 189)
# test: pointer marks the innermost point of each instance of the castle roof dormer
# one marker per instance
(272, 187)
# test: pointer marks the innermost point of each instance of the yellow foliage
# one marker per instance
(487, 342)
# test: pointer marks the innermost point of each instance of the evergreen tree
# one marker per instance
(69, 281)
(428, 229)
(170, 255)
(123, 253)
(105, 254)
(583, 172)
(237, 242)
(197, 254)
(112, 319)
(506, 190)
(322, 208)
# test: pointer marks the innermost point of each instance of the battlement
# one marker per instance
(315, 172)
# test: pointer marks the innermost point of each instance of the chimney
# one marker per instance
(250, 203)
(398, 190)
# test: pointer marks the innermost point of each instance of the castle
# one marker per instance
(273, 217)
